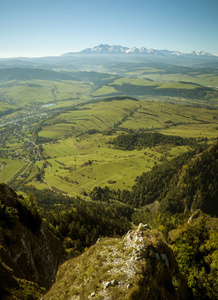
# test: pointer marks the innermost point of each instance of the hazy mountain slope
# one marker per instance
(36, 73)
(110, 54)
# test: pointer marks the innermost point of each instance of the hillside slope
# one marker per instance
(184, 184)
(138, 266)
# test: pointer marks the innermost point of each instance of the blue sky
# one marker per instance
(53, 27)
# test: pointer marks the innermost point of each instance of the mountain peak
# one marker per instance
(118, 49)
(105, 48)
(201, 53)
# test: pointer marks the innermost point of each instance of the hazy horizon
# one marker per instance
(52, 28)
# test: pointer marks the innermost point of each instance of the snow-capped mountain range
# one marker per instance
(117, 49)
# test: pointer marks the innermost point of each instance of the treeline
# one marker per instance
(82, 225)
(197, 93)
(48, 200)
(120, 98)
(79, 223)
(104, 194)
(142, 140)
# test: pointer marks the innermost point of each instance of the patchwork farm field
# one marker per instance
(58, 127)
(164, 90)
(94, 116)
(128, 114)
(77, 144)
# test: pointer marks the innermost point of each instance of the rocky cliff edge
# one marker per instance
(138, 266)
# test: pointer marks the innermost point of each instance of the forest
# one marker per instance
(197, 93)
(146, 139)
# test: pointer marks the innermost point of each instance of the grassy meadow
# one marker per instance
(77, 166)
(26, 93)
(202, 79)
(75, 121)
(79, 159)
(165, 73)
(10, 168)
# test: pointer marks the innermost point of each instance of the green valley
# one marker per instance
(57, 126)
(93, 148)
(63, 144)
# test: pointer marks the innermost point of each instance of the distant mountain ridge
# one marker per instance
(118, 49)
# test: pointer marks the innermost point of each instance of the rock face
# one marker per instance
(139, 266)
(33, 255)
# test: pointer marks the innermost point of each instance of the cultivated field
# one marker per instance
(59, 127)
(85, 159)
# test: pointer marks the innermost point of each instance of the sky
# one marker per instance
(34, 28)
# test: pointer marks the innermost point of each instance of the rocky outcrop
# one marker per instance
(13, 288)
(138, 266)
(33, 253)
(34, 257)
